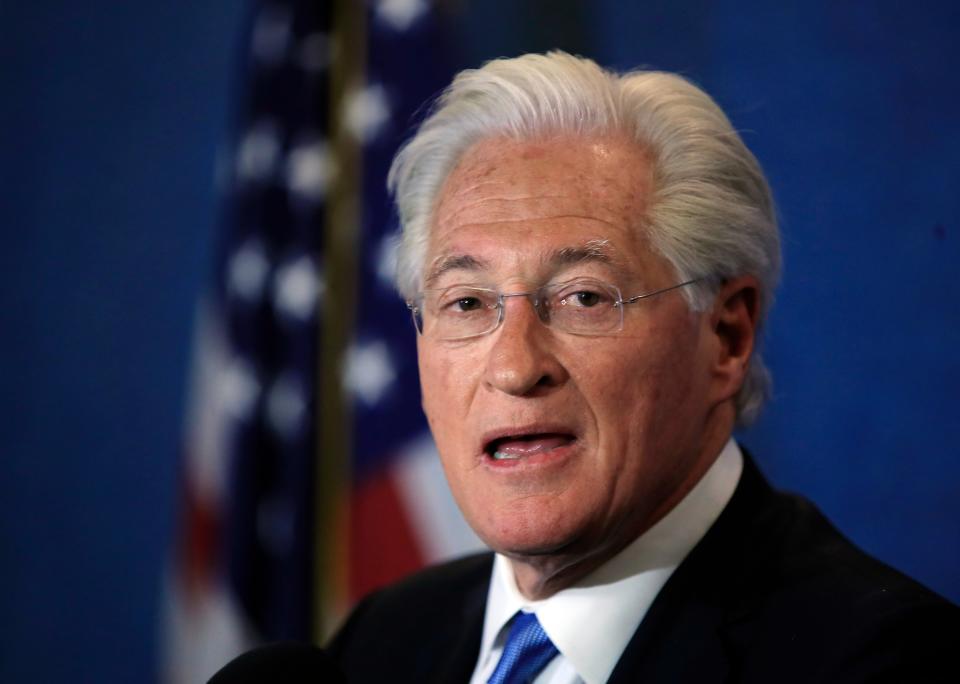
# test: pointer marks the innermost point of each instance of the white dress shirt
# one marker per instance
(613, 599)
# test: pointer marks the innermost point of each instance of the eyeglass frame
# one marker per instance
(416, 310)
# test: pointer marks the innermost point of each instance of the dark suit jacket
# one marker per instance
(772, 593)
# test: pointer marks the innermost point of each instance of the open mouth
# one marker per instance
(518, 447)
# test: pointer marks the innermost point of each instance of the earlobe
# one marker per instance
(735, 317)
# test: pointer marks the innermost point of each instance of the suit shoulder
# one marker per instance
(782, 545)
(425, 626)
(809, 556)
(436, 595)
(850, 617)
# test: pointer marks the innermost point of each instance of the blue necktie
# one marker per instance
(527, 651)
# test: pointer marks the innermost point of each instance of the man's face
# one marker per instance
(597, 436)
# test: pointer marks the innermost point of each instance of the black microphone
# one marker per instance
(286, 662)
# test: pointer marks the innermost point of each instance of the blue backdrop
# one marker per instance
(110, 115)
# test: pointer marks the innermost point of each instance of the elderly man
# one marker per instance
(588, 258)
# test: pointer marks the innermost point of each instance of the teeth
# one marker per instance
(500, 456)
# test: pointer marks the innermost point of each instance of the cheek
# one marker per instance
(643, 386)
(445, 389)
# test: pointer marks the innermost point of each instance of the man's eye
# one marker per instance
(583, 298)
(467, 304)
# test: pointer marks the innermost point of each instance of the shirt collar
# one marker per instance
(614, 598)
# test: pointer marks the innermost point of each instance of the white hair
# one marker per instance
(711, 214)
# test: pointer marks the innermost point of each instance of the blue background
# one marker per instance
(110, 117)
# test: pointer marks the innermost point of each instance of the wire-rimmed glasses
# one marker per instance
(582, 306)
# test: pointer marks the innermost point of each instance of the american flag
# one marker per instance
(309, 477)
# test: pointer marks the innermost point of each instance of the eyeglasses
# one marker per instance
(582, 306)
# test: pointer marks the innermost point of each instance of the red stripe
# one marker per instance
(383, 545)
(198, 544)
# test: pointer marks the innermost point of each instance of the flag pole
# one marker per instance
(334, 415)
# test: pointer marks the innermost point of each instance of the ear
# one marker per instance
(733, 320)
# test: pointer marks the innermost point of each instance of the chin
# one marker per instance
(529, 547)
(531, 533)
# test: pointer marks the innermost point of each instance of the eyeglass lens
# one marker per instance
(580, 306)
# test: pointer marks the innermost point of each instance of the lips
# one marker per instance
(523, 445)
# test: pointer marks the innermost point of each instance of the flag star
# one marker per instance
(271, 34)
(366, 111)
(387, 258)
(286, 407)
(368, 372)
(400, 14)
(258, 151)
(310, 167)
(239, 388)
(247, 271)
(297, 287)
(314, 52)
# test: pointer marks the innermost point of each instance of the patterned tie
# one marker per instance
(527, 651)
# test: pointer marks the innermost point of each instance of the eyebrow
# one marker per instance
(592, 251)
(595, 251)
(453, 262)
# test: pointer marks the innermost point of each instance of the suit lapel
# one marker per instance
(461, 659)
(685, 634)
(686, 647)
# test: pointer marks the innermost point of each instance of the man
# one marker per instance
(588, 258)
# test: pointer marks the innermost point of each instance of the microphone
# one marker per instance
(285, 662)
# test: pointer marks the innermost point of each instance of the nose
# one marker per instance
(522, 360)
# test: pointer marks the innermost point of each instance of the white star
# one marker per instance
(310, 167)
(366, 111)
(239, 388)
(285, 405)
(314, 52)
(258, 151)
(387, 259)
(296, 288)
(247, 270)
(400, 14)
(368, 372)
(271, 34)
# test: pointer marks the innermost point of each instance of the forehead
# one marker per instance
(513, 204)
